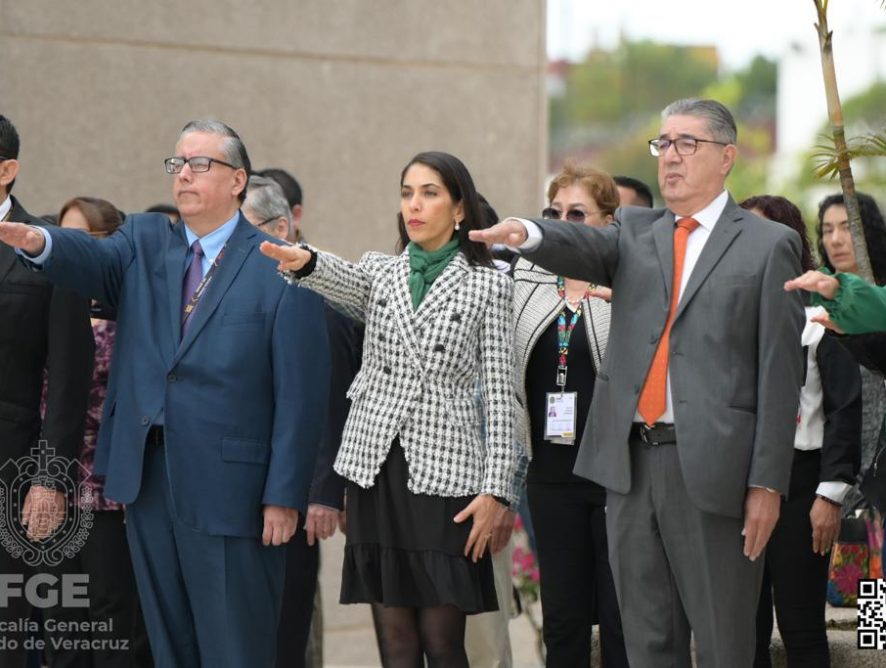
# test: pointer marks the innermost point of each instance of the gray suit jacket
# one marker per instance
(736, 360)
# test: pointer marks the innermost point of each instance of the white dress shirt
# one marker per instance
(5, 207)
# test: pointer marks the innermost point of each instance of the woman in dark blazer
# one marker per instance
(827, 456)
(438, 326)
(560, 339)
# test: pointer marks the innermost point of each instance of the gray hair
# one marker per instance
(232, 147)
(266, 200)
(719, 119)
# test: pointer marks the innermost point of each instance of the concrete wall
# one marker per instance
(340, 92)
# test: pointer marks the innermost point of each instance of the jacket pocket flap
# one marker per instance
(245, 450)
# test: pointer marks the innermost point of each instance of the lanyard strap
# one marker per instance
(564, 333)
(201, 288)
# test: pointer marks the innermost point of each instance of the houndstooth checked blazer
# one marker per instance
(536, 305)
(420, 374)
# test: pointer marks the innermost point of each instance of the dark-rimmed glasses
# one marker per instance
(572, 215)
(197, 163)
(682, 145)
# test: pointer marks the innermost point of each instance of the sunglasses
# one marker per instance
(573, 215)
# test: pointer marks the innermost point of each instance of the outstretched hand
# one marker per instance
(815, 281)
(291, 258)
(509, 232)
(19, 235)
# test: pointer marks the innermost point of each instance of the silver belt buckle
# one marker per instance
(644, 436)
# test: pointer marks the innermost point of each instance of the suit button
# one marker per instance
(387, 370)
(653, 338)
(171, 378)
(636, 389)
(146, 420)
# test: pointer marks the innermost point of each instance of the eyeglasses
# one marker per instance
(682, 145)
(573, 215)
(197, 163)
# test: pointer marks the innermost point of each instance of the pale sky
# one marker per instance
(739, 28)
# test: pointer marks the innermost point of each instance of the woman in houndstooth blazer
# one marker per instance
(438, 327)
(561, 332)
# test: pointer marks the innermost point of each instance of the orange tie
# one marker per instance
(653, 399)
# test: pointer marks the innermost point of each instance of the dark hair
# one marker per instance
(781, 210)
(643, 191)
(874, 232)
(101, 216)
(9, 143)
(233, 147)
(460, 185)
(291, 188)
(167, 209)
(597, 183)
(489, 214)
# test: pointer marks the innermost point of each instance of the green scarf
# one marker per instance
(426, 267)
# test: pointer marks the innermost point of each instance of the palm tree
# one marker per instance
(836, 159)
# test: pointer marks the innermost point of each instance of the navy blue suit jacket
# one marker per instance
(243, 396)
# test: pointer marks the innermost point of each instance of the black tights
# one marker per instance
(406, 636)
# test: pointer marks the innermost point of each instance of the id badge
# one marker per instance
(560, 417)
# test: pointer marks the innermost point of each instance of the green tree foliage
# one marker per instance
(612, 102)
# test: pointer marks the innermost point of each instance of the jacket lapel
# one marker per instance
(176, 252)
(443, 288)
(402, 308)
(725, 232)
(236, 251)
(663, 236)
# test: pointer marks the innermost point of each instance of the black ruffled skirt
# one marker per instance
(404, 550)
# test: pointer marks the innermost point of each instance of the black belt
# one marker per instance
(661, 433)
(156, 435)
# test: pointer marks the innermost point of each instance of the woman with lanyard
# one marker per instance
(424, 489)
(561, 327)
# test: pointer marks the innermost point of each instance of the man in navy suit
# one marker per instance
(215, 404)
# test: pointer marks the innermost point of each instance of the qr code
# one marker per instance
(872, 614)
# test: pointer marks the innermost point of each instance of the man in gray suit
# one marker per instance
(695, 407)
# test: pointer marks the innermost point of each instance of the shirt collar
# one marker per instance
(709, 215)
(213, 242)
(5, 207)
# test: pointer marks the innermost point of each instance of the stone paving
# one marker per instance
(349, 641)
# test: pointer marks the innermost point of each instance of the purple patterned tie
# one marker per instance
(193, 276)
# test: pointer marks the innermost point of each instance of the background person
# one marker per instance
(43, 328)
(293, 193)
(487, 635)
(300, 629)
(838, 255)
(827, 454)
(633, 192)
(561, 328)
(438, 325)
